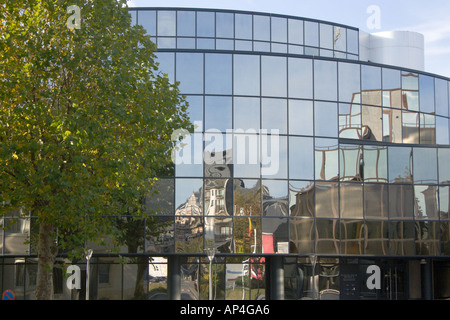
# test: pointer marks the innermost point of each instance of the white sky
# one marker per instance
(427, 17)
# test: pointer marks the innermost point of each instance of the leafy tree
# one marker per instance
(85, 120)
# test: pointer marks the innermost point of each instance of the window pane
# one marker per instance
(377, 240)
(425, 165)
(188, 195)
(371, 85)
(375, 163)
(326, 159)
(301, 198)
(325, 80)
(302, 235)
(279, 29)
(442, 130)
(391, 83)
(349, 82)
(147, 19)
(218, 73)
(441, 97)
(246, 155)
(351, 159)
(426, 94)
(444, 168)
(392, 125)
(218, 154)
(301, 158)
(352, 41)
(351, 200)
(274, 76)
(426, 202)
(311, 34)
(444, 202)
(189, 70)
(195, 111)
(328, 236)
(410, 91)
(401, 234)
(275, 198)
(247, 114)
(218, 113)
(275, 235)
(349, 121)
(166, 23)
(410, 129)
(352, 237)
(327, 200)
(300, 78)
(161, 200)
(189, 156)
(205, 24)
(325, 119)
(218, 198)
(274, 115)
(401, 201)
(375, 201)
(166, 62)
(261, 25)
(274, 156)
(301, 115)
(400, 159)
(246, 240)
(295, 31)
(243, 26)
(427, 238)
(427, 129)
(246, 75)
(340, 39)
(224, 25)
(372, 123)
(186, 23)
(326, 36)
(247, 197)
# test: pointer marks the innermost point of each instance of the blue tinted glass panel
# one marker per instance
(189, 70)
(186, 23)
(147, 19)
(300, 78)
(166, 23)
(205, 24)
(218, 73)
(279, 29)
(295, 31)
(441, 97)
(261, 25)
(274, 76)
(246, 75)
(224, 25)
(243, 26)
(325, 80)
(218, 113)
(426, 93)
(301, 158)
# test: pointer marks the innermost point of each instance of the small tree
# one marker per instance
(85, 121)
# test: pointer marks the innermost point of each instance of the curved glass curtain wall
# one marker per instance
(246, 31)
(359, 164)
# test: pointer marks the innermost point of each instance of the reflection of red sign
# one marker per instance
(8, 295)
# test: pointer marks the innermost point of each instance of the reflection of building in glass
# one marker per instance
(360, 159)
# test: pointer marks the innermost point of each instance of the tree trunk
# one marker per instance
(46, 251)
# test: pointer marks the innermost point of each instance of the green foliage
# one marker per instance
(85, 116)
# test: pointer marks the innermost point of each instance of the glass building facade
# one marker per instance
(304, 160)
